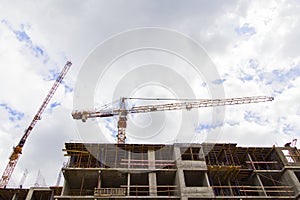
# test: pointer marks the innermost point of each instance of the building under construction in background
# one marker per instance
(178, 171)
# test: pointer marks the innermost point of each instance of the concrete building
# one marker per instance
(178, 171)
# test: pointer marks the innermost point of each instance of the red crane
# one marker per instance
(187, 104)
(17, 151)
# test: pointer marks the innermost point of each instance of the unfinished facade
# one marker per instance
(180, 171)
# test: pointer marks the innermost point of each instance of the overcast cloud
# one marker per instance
(254, 45)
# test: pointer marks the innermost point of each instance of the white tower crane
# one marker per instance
(187, 104)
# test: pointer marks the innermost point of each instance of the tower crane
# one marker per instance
(187, 104)
(17, 151)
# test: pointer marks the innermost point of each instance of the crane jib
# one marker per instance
(177, 105)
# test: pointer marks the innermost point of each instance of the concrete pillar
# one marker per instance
(15, 197)
(177, 183)
(99, 180)
(177, 153)
(181, 179)
(128, 184)
(152, 184)
(180, 182)
(281, 155)
(152, 175)
(151, 159)
(65, 189)
(129, 159)
(29, 194)
(289, 177)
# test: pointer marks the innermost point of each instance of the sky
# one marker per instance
(254, 46)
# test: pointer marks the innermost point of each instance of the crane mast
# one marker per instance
(13, 159)
(188, 105)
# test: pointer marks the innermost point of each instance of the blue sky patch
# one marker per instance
(288, 129)
(246, 77)
(245, 29)
(68, 89)
(52, 75)
(110, 123)
(250, 116)
(277, 91)
(14, 115)
(280, 76)
(39, 51)
(55, 104)
(208, 127)
(23, 36)
(218, 81)
(253, 64)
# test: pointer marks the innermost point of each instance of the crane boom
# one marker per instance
(13, 159)
(188, 105)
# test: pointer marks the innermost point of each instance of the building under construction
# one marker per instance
(178, 171)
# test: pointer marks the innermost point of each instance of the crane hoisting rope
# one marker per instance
(13, 159)
(187, 104)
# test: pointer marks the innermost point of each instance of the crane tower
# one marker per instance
(17, 151)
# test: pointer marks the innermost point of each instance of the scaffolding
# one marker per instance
(250, 171)
(120, 158)
(178, 171)
(117, 156)
(170, 171)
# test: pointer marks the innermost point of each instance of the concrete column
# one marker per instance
(151, 159)
(99, 180)
(181, 179)
(152, 184)
(281, 155)
(128, 184)
(177, 153)
(152, 175)
(129, 159)
(180, 182)
(177, 183)
(65, 189)
(29, 194)
(15, 197)
(289, 176)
